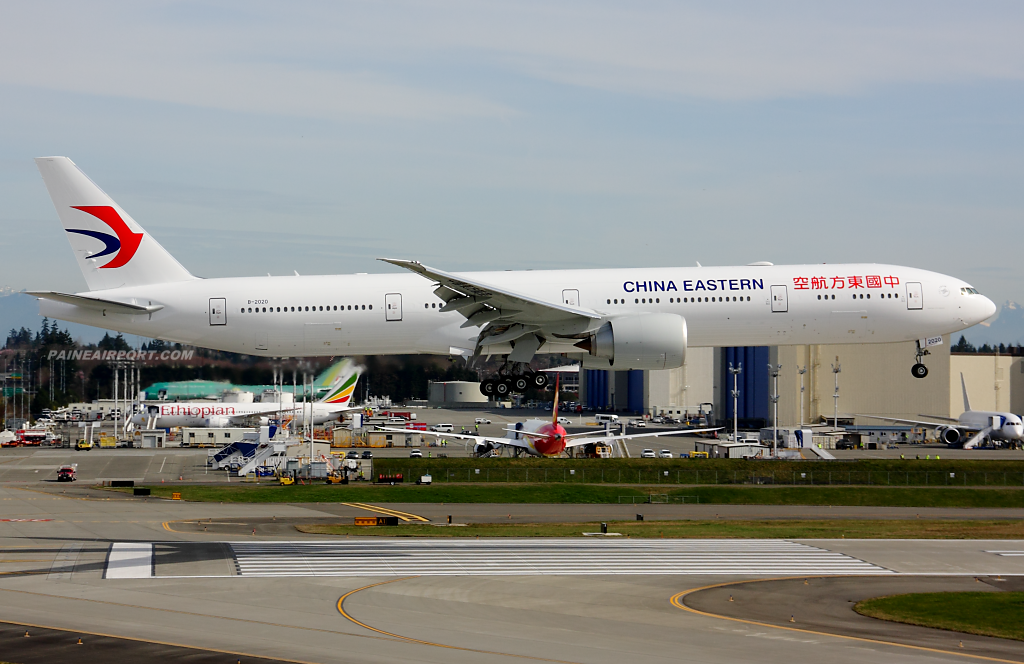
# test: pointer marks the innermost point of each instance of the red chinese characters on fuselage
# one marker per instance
(843, 283)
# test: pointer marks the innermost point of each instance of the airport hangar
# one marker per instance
(874, 378)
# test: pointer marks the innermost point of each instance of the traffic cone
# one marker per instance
(79, 641)
(961, 644)
(730, 598)
(26, 632)
(792, 618)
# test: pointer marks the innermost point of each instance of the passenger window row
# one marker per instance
(681, 300)
(337, 307)
(860, 296)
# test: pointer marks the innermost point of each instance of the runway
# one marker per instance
(520, 557)
(276, 595)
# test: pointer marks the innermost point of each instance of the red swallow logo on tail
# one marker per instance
(125, 243)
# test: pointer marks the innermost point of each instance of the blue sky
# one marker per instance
(269, 137)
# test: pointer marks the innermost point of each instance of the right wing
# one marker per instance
(576, 442)
(506, 316)
(920, 422)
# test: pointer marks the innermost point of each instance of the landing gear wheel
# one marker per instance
(502, 387)
(487, 387)
(520, 384)
(919, 370)
(540, 380)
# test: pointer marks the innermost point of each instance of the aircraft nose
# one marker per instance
(987, 308)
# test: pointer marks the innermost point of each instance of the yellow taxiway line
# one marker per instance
(404, 516)
(409, 639)
(677, 601)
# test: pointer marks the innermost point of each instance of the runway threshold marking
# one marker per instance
(677, 601)
(404, 516)
(409, 639)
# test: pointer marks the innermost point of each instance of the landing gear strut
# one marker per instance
(919, 370)
(515, 377)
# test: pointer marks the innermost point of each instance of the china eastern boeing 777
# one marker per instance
(637, 318)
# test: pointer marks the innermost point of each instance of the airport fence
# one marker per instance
(796, 477)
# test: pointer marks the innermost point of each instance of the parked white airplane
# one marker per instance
(219, 414)
(641, 318)
(980, 425)
(543, 438)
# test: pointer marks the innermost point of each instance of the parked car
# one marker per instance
(415, 454)
(846, 445)
(481, 420)
(665, 454)
(637, 424)
(647, 454)
(564, 421)
(367, 454)
(352, 454)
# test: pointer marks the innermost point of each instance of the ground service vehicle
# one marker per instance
(83, 445)
(67, 473)
(647, 454)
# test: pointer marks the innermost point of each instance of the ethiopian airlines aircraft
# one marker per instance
(222, 414)
(637, 318)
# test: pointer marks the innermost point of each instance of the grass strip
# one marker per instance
(789, 529)
(985, 613)
(585, 493)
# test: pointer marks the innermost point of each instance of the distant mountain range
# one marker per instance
(18, 310)
(1007, 329)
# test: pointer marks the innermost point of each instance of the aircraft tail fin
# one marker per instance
(344, 386)
(330, 375)
(963, 385)
(111, 248)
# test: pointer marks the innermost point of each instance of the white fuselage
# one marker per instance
(1007, 426)
(217, 414)
(398, 313)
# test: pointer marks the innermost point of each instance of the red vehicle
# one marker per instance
(67, 473)
(28, 437)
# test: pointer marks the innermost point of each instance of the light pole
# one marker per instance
(774, 371)
(835, 397)
(735, 400)
(802, 371)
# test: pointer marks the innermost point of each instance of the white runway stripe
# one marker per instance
(129, 560)
(541, 556)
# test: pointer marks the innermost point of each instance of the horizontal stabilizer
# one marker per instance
(97, 304)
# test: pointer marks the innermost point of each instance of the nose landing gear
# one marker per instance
(919, 370)
(516, 377)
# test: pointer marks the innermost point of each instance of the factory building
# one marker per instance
(873, 379)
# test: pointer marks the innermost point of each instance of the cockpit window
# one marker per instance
(969, 291)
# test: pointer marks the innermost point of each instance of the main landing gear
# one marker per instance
(516, 377)
(919, 370)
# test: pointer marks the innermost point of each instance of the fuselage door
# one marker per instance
(571, 296)
(218, 311)
(914, 296)
(393, 306)
(780, 299)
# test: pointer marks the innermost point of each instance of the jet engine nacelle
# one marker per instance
(217, 422)
(949, 435)
(644, 341)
